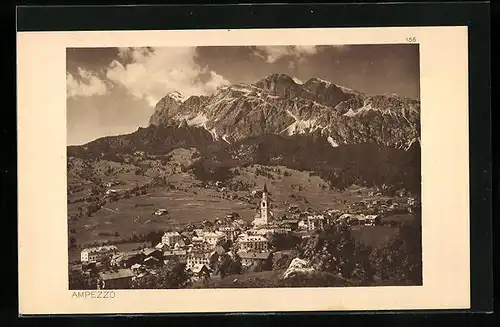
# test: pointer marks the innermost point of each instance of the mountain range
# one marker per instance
(343, 135)
(277, 104)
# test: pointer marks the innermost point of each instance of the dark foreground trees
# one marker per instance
(334, 250)
(171, 275)
(400, 259)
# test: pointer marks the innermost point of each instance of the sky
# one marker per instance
(113, 91)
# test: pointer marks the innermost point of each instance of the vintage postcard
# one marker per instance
(243, 170)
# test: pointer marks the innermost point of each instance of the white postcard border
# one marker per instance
(42, 222)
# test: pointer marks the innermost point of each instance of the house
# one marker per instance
(199, 232)
(156, 253)
(282, 230)
(161, 246)
(109, 192)
(249, 258)
(95, 254)
(259, 231)
(179, 244)
(302, 224)
(254, 243)
(293, 209)
(332, 212)
(315, 222)
(152, 261)
(372, 220)
(170, 238)
(137, 267)
(198, 243)
(161, 212)
(232, 215)
(291, 224)
(213, 238)
(178, 255)
(343, 219)
(115, 279)
(127, 259)
(200, 271)
(196, 257)
(230, 232)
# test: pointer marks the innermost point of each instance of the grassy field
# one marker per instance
(135, 215)
(189, 202)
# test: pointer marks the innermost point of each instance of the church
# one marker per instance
(264, 215)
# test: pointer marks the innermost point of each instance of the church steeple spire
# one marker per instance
(265, 188)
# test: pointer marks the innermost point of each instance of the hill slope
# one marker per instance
(278, 105)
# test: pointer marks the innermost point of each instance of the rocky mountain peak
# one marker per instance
(278, 105)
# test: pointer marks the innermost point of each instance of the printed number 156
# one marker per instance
(411, 39)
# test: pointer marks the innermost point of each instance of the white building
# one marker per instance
(198, 258)
(96, 254)
(259, 231)
(199, 232)
(302, 224)
(230, 232)
(263, 217)
(170, 238)
(213, 237)
(315, 222)
(255, 243)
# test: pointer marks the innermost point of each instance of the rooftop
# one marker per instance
(118, 274)
(254, 255)
(175, 252)
(100, 248)
(171, 234)
(253, 238)
(149, 251)
(199, 267)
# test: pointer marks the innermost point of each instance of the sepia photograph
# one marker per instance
(267, 170)
(209, 167)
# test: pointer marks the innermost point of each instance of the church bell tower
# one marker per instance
(264, 206)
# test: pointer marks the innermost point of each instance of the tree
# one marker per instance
(77, 281)
(235, 267)
(72, 242)
(225, 243)
(283, 241)
(281, 261)
(400, 259)
(171, 275)
(333, 250)
(222, 265)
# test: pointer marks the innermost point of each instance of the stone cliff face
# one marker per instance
(278, 105)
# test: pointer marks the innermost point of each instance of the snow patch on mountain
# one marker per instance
(213, 132)
(300, 126)
(177, 96)
(411, 143)
(224, 138)
(199, 120)
(350, 113)
(332, 141)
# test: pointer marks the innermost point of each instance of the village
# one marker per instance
(200, 249)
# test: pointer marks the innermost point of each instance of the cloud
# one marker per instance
(151, 73)
(272, 54)
(84, 84)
